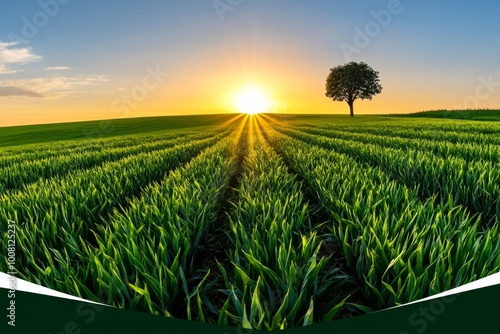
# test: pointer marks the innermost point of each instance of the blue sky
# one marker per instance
(430, 54)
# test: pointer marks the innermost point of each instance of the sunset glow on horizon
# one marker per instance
(252, 100)
(92, 60)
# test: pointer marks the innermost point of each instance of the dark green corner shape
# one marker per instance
(475, 311)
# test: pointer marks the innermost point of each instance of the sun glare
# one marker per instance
(252, 100)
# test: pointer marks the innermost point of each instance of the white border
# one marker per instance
(26, 286)
(22, 285)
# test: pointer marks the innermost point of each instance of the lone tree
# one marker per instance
(352, 81)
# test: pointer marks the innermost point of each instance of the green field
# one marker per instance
(474, 115)
(266, 222)
(34, 134)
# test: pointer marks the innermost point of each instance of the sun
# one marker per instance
(252, 100)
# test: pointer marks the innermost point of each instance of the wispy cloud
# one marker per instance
(18, 91)
(57, 68)
(5, 70)
(10, 53)
(51, 86)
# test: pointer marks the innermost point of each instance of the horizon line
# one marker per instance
(235, 113)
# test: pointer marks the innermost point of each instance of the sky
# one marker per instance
(73, 60)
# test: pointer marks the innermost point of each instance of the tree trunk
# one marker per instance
(351, 108)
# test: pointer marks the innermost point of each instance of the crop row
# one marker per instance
(400, 248)
(276, 268)
(146, 253)
(454, 132)
(28, 171)
(17, 154)
(64, 211)
(472, 184)
(469, 152)
(54, 148)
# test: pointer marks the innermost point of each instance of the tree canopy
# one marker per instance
(352, 81)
